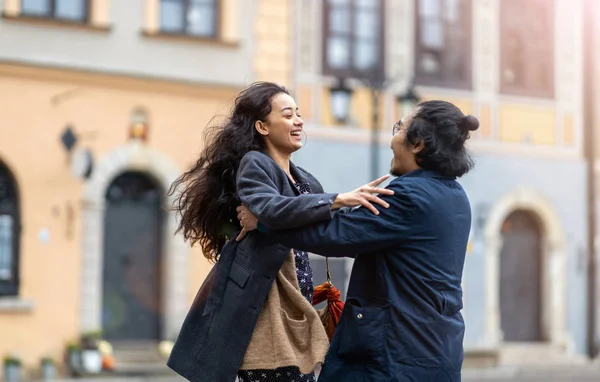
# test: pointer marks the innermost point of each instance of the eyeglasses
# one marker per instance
(397, 127)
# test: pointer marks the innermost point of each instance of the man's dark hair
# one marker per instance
(443, 129)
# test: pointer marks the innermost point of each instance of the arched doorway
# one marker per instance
(553, 266)
(10, 229)
(133, 218)
(133, 156)
(521, 278)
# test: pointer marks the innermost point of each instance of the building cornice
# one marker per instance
(115, 80)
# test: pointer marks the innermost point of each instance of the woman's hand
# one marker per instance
(247, 220)
(364, 196)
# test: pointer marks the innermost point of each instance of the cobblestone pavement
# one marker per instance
(587, 373)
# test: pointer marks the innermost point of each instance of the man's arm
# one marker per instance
(357, 231)
(258, 191)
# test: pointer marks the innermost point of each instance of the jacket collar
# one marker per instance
(423, 173)
(296, 173)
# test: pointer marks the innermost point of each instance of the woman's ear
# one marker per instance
(261, 128)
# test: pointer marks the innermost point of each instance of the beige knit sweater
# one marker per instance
(289, 331)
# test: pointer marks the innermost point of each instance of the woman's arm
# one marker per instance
(258, 191)
(356, 232)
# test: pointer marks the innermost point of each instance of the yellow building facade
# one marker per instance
(47, 312)
(136, 88)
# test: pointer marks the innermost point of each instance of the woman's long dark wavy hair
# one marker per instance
(207, 198)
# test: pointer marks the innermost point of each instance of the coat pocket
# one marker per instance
(239, 274)
(296, 329)
(362, 333)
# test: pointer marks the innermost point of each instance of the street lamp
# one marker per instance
(340, 101)
(340, 97)
(407, 101)
(81, 159)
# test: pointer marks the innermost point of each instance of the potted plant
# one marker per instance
(48, 368)
(12, 368)
(74, 357)
(90, 340)
(91, 358)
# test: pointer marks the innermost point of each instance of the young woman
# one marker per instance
(253, 316)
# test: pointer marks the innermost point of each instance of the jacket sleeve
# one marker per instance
(258, 191)
(357, 231)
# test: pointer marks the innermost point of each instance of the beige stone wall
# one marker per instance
(273, 41)
(98, 107)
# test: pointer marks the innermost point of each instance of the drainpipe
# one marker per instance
(589, 126)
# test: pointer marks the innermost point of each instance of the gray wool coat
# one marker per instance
(217, 330)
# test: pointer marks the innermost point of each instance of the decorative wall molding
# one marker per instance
(554, 258)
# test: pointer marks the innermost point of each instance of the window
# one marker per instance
(443, 43)
(70, 10)
(9, 234)
(527, 47)
(353, 37)
(190, 17)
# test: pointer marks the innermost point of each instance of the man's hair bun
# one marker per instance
(469, 123)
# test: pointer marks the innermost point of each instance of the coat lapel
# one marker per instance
(296, 173)
(298, 176)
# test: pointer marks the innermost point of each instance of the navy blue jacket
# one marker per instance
(402, 319)
(217, 330)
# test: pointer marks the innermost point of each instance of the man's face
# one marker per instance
(404, 156)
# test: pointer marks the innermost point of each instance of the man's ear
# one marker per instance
(418, 147)
(261, 128)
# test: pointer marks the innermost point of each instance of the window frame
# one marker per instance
(351, 72)
(530, 50)
(51, 14)
(10, 288)
(421, 78)
(217, 21)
